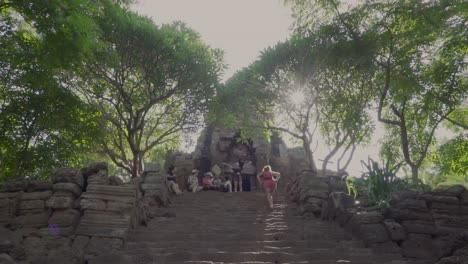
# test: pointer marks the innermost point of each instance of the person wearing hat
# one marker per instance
(171, 181)
(193, 182)
(208, 181)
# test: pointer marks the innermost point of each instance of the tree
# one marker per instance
(289, 90)
(150, 83)
(42, 124)
(417, 50)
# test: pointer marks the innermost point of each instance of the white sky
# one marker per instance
(242, 28)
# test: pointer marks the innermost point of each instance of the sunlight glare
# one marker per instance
(297, 97)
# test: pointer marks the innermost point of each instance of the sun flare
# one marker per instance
(297, 97)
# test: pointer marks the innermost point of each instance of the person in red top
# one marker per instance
(269, 182)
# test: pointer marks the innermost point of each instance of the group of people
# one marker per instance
(267, 178)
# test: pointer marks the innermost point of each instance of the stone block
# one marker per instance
(443, 208)
(6, 259)
(418, 246)
(419, 227)
(56, 242)
(18, 253)
(310, 207)
(9, 195)
(439, 199)
(44, 195)
(395, 230)
(64, 194)
(94, 168)
(372, 233)
(98, 245)
(67, 187)
(413, 204)
(8, 240)
(388, 247)
(14, 185)
(65, 218)
(34, 246)
(463, 197)
(454, 191)
(38, 185)
(117, 207)
(103, 224)
(68, 175)
(32, 220)
(123, 194)
(57, 231)
(114, 257)
(98, 178)
(367, 217)
(152, 167)
(115, 181)
(313, 193)
(27, 232)
(31, 206)
(60, 202)
(79, 245)
(401, 214)
(92, 204)
(61, 256)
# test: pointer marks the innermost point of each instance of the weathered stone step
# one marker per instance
(262, 256)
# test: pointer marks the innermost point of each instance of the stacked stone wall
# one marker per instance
(431, 226)
(73, 217)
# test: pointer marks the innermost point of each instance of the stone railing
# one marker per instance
(431, 226)
(77, 215)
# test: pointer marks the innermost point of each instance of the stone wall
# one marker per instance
(75, 216)
(431, 226)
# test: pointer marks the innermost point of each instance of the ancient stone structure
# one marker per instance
(76, 216)
(217, 145)
(431, 226)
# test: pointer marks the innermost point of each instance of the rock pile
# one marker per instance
(153, 195)
(423, 226)
(38, 217)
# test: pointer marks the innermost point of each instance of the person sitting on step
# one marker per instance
(172, 181)
(217, 183)
(208, 181)
(192, 181)
(226, 185)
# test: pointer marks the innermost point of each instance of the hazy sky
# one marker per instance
(242, 28)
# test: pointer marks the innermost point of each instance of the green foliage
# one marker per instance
(43, 124)
(165, 82)
(413, 53)
(378, 182)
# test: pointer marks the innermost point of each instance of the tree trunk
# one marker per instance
(414, 173)
(309, 156)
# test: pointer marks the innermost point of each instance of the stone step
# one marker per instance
(258, 256)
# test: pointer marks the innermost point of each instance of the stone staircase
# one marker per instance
(220, 228)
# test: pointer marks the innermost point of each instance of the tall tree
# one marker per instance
(150, 83)
(418, 51)
(42, 124)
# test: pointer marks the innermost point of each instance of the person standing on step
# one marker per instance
(269, 182)
(172, 181)
(236, 177)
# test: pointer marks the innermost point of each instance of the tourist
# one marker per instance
(236, 177)
(226, 185)
(217, 183)
(208, 181)
(269, 182)
(172, 181)
(192, 181)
